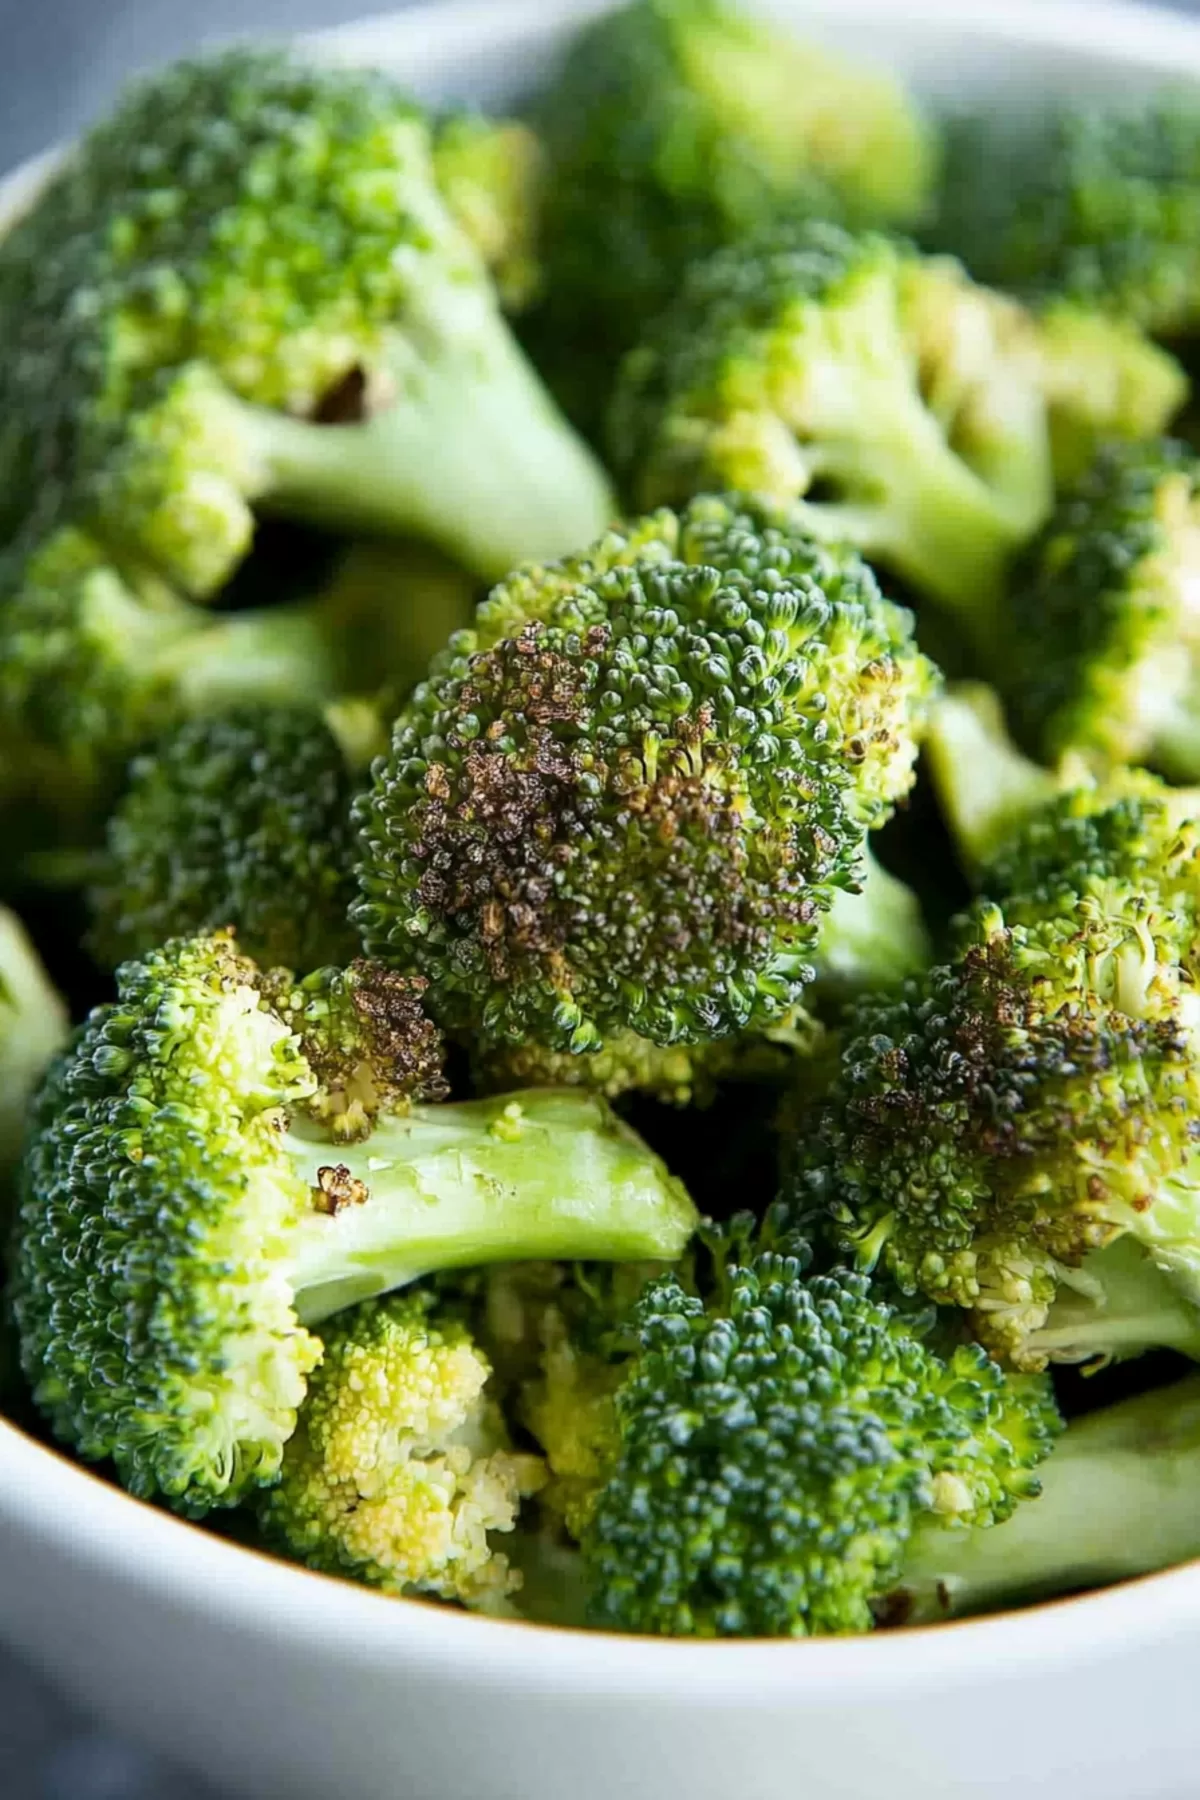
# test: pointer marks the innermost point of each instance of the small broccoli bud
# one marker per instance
(492, 176)
(187, 1212)
(845, 1428)
(886, 399)
(400, 1469)
(625, 801)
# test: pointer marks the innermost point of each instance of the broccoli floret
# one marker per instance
(190, 1208)
(1118, 1499)
(677, 125)
(778, 1440)
(988, 1129)
(400, 1468)
(33, 1029)
(245, 293)
(1101, 641)
(625, 800)
(492, 175)
(1103, 379)
(242, 820)
(895, 405)
(1098, 203)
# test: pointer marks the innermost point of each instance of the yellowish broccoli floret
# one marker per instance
(401, 1467)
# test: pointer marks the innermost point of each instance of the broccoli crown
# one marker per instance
(1101, 655)
(1103, 378)
(188, 1206)
(1101, 204)
(241, 819)
(988, 1128)
(400, 1468)
(810, 361)
(492, 175)
(248, 253)
(624, 802)
(780, 1438)
(675, 125)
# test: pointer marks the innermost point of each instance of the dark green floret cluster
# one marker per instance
(608, 1032)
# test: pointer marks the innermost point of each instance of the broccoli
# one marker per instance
(625, 801)
(492, 173)
(1100, 204)
(675, 126)
(873, 935)
(191, 1206)
(244, 292)
(33, 1029)
(1118, 1499)
(749, 1451)
(1100, 653)
(990, 1128)
(400, 1467)
(239, 819)
(892, 403)
(1102, 379)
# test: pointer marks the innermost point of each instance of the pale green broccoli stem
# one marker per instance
(546, 1175)
(33, 1029)
(875, 937)
(986, 788)
(286, 656)
(1118, 1304)
(461, 446)
(1118, 1499)
(935, 519)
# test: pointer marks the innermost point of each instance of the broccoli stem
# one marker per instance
(286, 655)
(1118, 1499)
(875, 936)
(547, 1174)
(934, 519)
(461, 446)
(986, 788)
(1117, 1305)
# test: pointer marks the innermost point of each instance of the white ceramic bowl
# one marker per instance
(281, 1685)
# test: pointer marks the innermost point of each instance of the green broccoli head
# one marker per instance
(894, 404)
(675, 126)
(999, 1121)
(1100, 204)
(1101, 654)
(401, 1469)
(625, 800)
(779, 1439)
(243, 293)
(1103, 379)
(190, 1207)
(240, 819)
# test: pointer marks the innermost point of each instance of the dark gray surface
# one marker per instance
(61, 60)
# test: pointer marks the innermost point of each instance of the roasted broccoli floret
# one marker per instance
(191, 1206)
(1101, 632)
(757, 1463)
(991, 1128)
(33, 1029)
(1118, 1499)
(894, 404)
(244, 293)
(401, 1467)
(677, 125)
(625, 801)
(492, 175)
(242, 820)
(1098, 203)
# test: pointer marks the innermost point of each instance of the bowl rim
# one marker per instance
(47, 1497)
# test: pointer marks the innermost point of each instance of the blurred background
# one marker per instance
(59, 64)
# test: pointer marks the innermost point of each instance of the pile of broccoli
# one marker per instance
(600, 943)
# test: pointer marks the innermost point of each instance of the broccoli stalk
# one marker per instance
(191, 1202)
(986, 788)
(1116, 1305)
(1118, 1500)
(873, 935)
(33, 1028)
